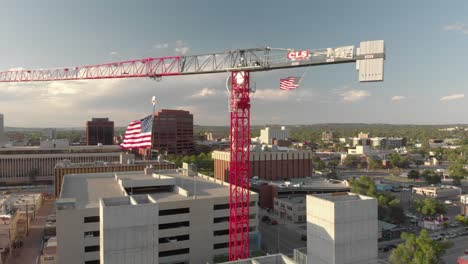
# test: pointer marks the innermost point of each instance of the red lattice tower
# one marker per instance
(239, 169)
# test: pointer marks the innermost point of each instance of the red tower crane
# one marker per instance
(369, 58)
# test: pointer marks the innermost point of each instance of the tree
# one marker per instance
(413, 174)
(456, 169)
(418, 163)
(351, 161)
(318, 164)
(431, 177)
(463, 220)
(430, 207)
(374, 164)
(398, 161)
(332, 164)
(418, 250)
(389, 208)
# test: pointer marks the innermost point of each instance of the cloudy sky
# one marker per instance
(426, 73)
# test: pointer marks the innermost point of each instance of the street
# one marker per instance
(32, 244)
(459, 245)
(279, 238)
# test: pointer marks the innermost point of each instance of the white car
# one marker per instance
(448, 202)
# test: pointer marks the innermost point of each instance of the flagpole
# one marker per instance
(153, 101)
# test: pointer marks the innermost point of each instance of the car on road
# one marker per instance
(274, 222)
(448, 202)
(266, 219)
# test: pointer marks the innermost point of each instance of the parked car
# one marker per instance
(448, 202)
(274, 222)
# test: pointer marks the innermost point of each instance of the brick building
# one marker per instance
(100, 130)
(268, 165)
(173, 131)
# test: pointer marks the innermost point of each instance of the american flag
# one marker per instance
(289, 83)
(138, 134)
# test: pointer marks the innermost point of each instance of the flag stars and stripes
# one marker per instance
(289, 83)
(138, 134)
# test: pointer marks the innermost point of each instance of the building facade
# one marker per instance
(341, 228)
(268, 134)
(442, 191)
(152, 217)
(173, 132)
(99, 131)
(126, 162)
(268, 165)
(291, 209)
(27, 164)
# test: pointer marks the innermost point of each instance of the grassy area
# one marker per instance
(399, 179)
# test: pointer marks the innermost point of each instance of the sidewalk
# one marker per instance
(32, 245)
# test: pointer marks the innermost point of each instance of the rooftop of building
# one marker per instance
(67, 149)
(85, 190)
(308, 182)
(437, 187)
(341, 197)
(67, 164)
(292, 199)
(269, 259)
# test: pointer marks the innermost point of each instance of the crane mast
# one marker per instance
(369, 58)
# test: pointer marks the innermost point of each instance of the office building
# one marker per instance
(99, 131)
(268, 134)
(290, 209)
(341, 228)
(126, 162)
(27, 164)
(173, 132)
(362, 135)
(442, 191)
(274, 164)
(144, 217)
(395, 143)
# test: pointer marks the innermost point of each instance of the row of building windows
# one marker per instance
(226, 218)
(226, 206)
(174, 211)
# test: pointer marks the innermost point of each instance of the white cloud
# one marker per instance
(161, 46)
(113, 53)
(271, 95)
(205, 92)
(452, 97)
(354, 95)
(457, 27)
(181, 47)
(398, 98)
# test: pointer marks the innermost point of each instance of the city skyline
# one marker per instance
(420, 40)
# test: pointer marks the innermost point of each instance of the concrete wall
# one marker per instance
(70, 235)
(129, 232)
(342, 231)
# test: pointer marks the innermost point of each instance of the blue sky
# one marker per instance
(425, 72)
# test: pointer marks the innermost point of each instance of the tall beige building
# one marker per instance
(152, 217)
(342, 228)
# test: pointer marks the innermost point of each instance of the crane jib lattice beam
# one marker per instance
(257, 59)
